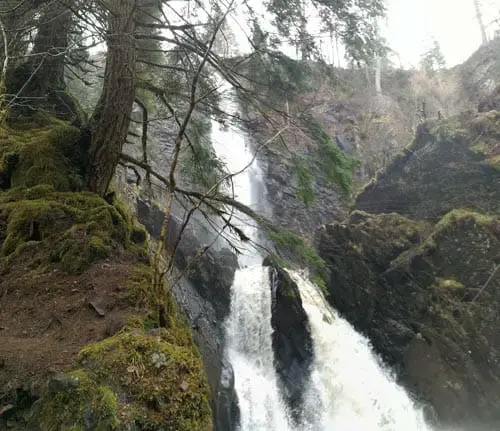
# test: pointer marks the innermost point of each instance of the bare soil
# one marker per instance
(46, 318)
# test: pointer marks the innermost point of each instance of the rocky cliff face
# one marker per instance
(420, 274)
(480, 74)
(287, 210)
(204, 297)
(428, 302)
(451, 164)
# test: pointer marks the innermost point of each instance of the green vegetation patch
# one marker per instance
(72, 230)
(448, 283)
(298, 251)
(447, 129)
(159, 381)
(78, 402)
(49, 152)
(458, 216)
(332, 161)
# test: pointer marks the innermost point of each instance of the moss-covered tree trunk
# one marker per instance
(111, 117)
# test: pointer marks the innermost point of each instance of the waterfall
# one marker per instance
(349, 390)
(248, 328)
(250, 352)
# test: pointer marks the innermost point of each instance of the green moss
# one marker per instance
(164, 383)
(72, 229)
(48, 154)
(334, 164)
(460, 215)
(448, 283)
(319, 281)
(451, 222)
(494, 161)
(79, 404)
(446, 129)
(138, 289)
(481, 147)
(299, 251)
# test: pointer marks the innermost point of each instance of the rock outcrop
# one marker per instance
(420, 275)
(429, 303)
(451, 164)
(287, 209)
(480, 74)
(292, 342)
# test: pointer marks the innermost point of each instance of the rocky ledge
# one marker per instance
(420, 275)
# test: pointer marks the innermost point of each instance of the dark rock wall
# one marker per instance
(439, 172)
(290, 212)
(426, 289)
(292, 342)
(429, 306)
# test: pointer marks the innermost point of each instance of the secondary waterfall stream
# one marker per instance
(349, 390)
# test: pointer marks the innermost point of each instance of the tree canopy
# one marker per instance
(169, 60)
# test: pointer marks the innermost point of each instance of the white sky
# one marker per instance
(413, 23)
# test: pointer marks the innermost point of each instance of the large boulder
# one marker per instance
(292, 341)
(428, 301)
(451, 164)
(357, 251)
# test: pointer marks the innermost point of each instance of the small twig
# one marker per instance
(495, 269)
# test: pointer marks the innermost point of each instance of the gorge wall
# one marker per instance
(418, 272)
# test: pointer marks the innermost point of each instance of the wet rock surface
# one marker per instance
(426, 288)
(292, 342)
(204, 296)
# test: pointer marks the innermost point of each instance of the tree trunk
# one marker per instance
(38, 83)
(378, 71)
(111, 118)
(479, 16)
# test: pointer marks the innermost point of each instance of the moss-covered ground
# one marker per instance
(76, 303)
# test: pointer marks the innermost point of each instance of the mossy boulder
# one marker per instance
(44, 151)
(71, 230)
(358, 250)
(132, 380)
(428, 299)
(452, 163)
(76, 402)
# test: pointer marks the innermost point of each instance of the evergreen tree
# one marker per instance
(433, 59)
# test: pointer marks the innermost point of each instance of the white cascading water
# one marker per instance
(349, 390)
(248, 328)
